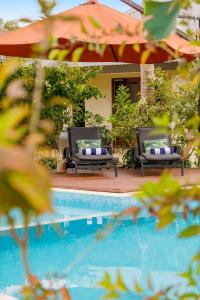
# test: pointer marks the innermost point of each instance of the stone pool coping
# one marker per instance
(111, 194)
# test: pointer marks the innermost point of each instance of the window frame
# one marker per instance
(126, 81)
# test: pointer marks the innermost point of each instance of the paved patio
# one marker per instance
(128, 180)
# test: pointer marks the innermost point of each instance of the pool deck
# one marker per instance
(128, 180)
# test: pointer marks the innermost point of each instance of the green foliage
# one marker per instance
(19, 178)
(122, 118)
(96, 120)
(161, 18)
(25, 186)
(7, 26)
(164, 198)
(127, 158)
(128, 115)
(46, 6)
(64, 87)
(171, 95)
(21, 185)
(122, 96)
(73, 85)
(190, 231)
(49, 162)
(114, 290)
(174, 93)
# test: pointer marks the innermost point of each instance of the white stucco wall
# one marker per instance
(104, 83)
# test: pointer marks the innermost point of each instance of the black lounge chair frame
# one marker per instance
(92, 162)
(144, 133)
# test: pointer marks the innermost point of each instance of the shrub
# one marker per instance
(96, 120)
(122, 119)
(64, 87)
(176, 97)
(49, 162)
(72, 84)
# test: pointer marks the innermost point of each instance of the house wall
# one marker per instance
(104, 83)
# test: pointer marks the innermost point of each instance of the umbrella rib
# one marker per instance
(114, 54)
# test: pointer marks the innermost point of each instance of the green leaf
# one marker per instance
(77, 54)
(25, 20)
(137, 287)
(161, 18)
(191, 281)
(111, 295)
(69, 18)
(120, 283)
(144, 57)
(9, 121)
(198, 270)
(83, 28)
(196, 257)
(47, 6)
(9, 67)
(23, 183)
(62, 54)
(188, 296)
(190, 231)
(106, 282)
(53, 54)
(121, 50)
(136, 48)
(57, 100)
(162, 121)
(52, 40)
(91, 47)
(165, 221)
(94, 23)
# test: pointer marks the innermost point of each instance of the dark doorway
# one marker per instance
(133, 85)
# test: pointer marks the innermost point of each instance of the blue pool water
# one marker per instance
(136, 250)
(70, 205)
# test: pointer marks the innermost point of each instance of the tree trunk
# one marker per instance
(146, 74)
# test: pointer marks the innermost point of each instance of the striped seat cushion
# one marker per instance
(95, 151)
(161, 151)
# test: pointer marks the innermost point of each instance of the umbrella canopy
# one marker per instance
(91, 24)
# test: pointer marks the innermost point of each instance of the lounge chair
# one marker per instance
(88, 162)
(144, 159)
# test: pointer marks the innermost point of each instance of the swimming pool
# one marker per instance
(73, 205)
(136, 250)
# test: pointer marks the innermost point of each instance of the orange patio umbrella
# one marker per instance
(92, 24)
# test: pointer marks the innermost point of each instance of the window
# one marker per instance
(132, 83)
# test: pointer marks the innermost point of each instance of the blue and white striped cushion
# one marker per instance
(94, 151)
(161, 151)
